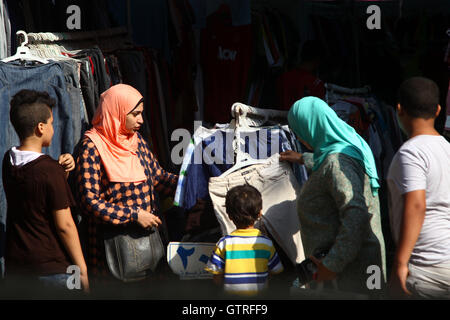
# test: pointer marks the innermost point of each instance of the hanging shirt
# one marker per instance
(296, 84)
(353, 114)
(226, 52)
(211, 153)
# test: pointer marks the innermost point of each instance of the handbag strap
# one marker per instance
(152, 203)
(149, 180)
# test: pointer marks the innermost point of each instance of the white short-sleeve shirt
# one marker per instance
(423, 163)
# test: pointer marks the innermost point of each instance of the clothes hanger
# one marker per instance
(23, 53)
(243, 159)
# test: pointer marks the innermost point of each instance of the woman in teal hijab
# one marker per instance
(338, 205)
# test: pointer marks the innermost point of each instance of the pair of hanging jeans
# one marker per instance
(279, 189)
(44, 77)
(79, 113)
(88, 87)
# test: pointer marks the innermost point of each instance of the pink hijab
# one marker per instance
(116, 146)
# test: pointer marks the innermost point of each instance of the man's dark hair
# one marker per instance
(243, 204)
(28, 109)
(419, 97)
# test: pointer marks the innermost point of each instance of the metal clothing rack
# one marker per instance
(244, 117)
(338, 89)
(332, 89)
(46, 37)
(106, 39)
(240, 111)
(94, 36)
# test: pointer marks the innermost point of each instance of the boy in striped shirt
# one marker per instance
(244, 259)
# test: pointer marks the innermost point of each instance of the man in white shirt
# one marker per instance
(419, 196)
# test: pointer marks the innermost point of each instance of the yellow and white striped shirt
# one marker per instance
(246, 257)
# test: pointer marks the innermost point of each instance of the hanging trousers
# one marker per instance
(279, 189)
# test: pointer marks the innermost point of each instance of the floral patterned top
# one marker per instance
(105, 202)
(338, 212)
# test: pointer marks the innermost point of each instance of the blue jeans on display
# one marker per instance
(47, 77)
(79, 115)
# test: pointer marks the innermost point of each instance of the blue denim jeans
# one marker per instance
(47, 77)
(55, 281)
(79, 114)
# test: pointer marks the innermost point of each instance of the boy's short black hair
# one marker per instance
(243, 205)
(419, 97)
(28, 109)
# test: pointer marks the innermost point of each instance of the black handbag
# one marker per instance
(132, 252)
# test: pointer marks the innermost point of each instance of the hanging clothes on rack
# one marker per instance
(101, 78)
(78, 47)
(275, 181)
(296, 84)
(47, 76)
(212, 165)
(372, 119)
(279, 189)
(226, 53)
(211, 153)
(80, 120)
(119, 62)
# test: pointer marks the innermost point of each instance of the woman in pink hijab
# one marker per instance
(117, 173)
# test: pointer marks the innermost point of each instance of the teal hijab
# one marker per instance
(315, 122)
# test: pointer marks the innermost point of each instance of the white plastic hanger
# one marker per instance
(243, 159)
(23, 52)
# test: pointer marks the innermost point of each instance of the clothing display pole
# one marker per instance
(84, 35)
(357, 91)
(244, 110)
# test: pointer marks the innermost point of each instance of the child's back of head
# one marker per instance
(28, 109)
(243, 205)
